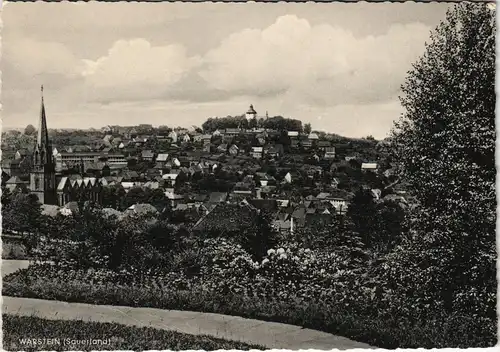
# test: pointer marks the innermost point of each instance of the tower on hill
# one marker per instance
(251, 113)
(43, 176)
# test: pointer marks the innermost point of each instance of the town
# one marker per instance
(301, 177)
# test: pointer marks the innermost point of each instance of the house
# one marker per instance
(288, 178)
(217, 197)
(176, 163)
(306, 143)
(216, 133)
(141, 209)
(21, 154)
(173, 136)
(233, 149)
(186, 138)
(373, 167)
(14, 183)
(276, 151)
(340, 205)
(174, 199)
(147, 155)
(313, 136)
(329, 153)
(283, 203)
(257, 152)
(376, 193)
(170, 177)
(283, 226)
(222, 148)
(335, 182)
(162, 158)
(266, 179)
(243, 189)
(293, 134)
(268, 205)
(322, 145)
(206, 138)
(232, 131)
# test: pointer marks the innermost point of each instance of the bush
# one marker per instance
(169, 293)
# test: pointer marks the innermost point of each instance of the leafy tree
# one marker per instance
(446, 143)
(362, 216)
(307, 128)
(136, 195)
(22, 214)
(29, 130)
(112, 196)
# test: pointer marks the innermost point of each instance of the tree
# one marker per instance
(29, 130)
(445, 141)
(362, 216)
(307, 128)
(22, 214)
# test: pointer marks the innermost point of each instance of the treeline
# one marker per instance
(279, 123)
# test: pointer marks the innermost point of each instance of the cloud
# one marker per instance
(324, 64)
(33, 58)
(134, 68)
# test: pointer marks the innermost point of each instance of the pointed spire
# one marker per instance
(43, 134)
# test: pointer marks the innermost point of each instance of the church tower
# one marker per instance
(251, 113)
(43, 174)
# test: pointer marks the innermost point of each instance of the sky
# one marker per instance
(338, 66)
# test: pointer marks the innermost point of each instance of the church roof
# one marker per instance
(43, 133)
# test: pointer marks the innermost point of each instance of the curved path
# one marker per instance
(267, 334)
(10, 266)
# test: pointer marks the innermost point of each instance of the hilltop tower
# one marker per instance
(251, 113)
(43, 174)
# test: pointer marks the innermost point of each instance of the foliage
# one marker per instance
(21, 214)
(349, 312)
(143, 195)
(277, 122)
(446, 144)
(307, 128)
(29, 130)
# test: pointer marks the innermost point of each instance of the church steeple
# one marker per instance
(42, 175)
(42, 140)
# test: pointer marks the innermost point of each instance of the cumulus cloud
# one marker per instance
(322, 63)
(135, 67)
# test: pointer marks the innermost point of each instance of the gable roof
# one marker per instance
(369, 166)
(162, 157)
(217, 197)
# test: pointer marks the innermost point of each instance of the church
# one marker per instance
(49, 187)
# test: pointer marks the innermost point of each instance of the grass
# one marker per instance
(392, 332)
(63, 335)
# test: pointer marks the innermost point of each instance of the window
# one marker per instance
(37, 183)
